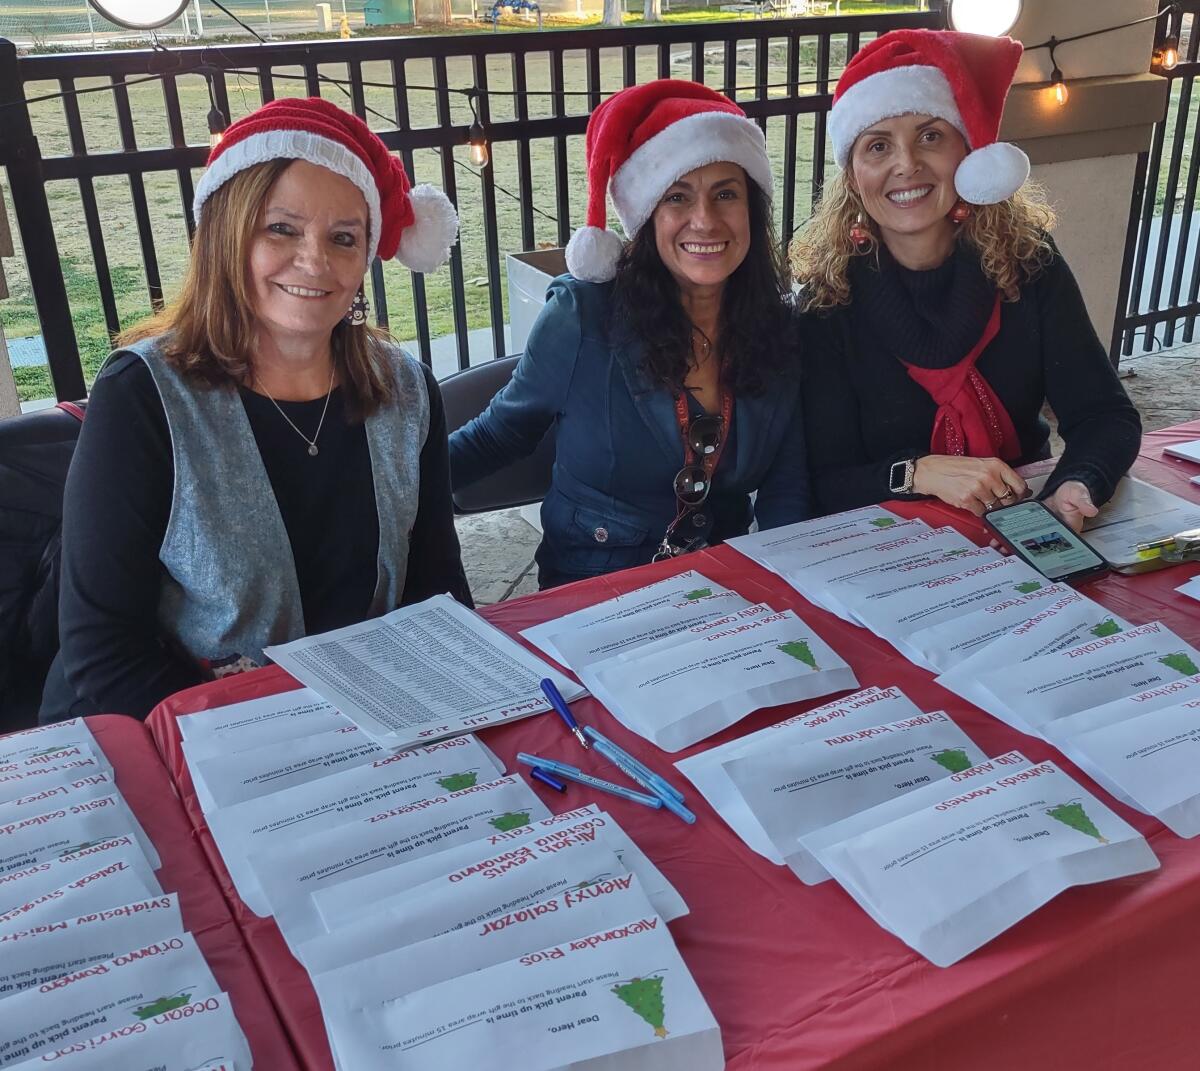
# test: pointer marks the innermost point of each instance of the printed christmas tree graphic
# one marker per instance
(162, 1005)
(958, 552)
(882, 522)
(699, 593)
(456, 782)
(1026, 586)
(1073, 815)
(953, 759)
(1181, 663)
(510, 820)
(1107, 627)
(799, 650)
(645, 996)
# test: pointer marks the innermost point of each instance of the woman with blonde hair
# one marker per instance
(257, 462)
(939, 315)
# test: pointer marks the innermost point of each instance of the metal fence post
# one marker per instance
(19, 152)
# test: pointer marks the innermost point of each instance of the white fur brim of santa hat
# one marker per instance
(640, 142)
(961, 78)
(417, 226)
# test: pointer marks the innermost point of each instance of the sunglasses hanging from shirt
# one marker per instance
(704, 441)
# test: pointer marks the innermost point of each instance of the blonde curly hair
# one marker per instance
(1010, 238)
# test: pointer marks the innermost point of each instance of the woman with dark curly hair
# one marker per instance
(939, 315)
(664, 364)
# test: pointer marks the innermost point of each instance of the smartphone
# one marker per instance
(1042, 541)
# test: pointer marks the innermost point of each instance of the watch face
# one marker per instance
(898, 477)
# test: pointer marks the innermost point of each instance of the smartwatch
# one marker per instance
(901, 476)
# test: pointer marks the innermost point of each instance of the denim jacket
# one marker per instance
(618, 443)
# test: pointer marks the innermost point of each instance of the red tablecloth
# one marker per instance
(147, 788)
(800, 977)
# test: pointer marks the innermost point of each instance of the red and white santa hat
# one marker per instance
(639, 143)
(416, 225)
(960, 77)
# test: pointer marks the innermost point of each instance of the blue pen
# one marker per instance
(659, 785)
(573, 773)
(617, 758)
(564, 711)
(538, 774)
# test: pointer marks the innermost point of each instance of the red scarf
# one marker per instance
(970, 419)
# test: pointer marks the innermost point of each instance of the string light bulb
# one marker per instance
(216, 126)
(1167, 57)
(477, 146)
(1058, 84)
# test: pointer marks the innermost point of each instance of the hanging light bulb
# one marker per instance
(1059, 85)
(216, 126)
(477, 146)
(1167, 57)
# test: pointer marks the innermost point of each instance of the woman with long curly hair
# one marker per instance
(257, 462)
(939, 315)
(665, 364)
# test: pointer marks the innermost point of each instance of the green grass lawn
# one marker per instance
(166, 211)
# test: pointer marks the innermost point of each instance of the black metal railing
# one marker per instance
(535, 90)
(1160, 276)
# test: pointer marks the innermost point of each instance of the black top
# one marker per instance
(862, 411)
(118, 500)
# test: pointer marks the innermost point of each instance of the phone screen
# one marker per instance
(1043, 540)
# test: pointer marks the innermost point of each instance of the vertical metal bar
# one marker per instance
(1168, 210)
(820, 119)
(788, 225)
(312, 79)
(664, 60)
(458, 292)
(179, 141)
(91, 214)
(266, 85)
(729, 76)
(593, 78)
(420, 305)
(1126, 306)
(137, 191)
(561, 190)
(1139, 260)
(524, 161)
(358, 104)
(1185, 221)
(629, 65)
(491, 237)
(698, 61)
(27, 186)
(762, 75)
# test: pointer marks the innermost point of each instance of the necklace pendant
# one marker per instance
(312, 450)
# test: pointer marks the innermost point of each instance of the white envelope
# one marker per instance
(87, 786)
(40, 953)
(254, 722)
(121, 879)
(69, 829)
(626, 994)
(949, 878)
(19, 887)
(685, 693)
(43, 740)
(119, 992)
(290, 873)
(871, 706)
(405, 970)
(26, 781)
(500, 851)
(300, 812)
(800, 787)
(763, 547)
(201, 1036)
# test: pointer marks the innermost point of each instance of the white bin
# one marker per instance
(529, 274)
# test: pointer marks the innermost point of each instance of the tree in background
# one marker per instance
(612, 13)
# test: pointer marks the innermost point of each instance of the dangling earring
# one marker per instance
(859, 234)
(961, 212)
(359, 307)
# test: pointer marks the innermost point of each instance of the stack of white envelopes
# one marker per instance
(93, 953)
(441, 912)
(685, 658)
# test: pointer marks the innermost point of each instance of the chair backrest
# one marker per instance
(466, 394)
(35, 452)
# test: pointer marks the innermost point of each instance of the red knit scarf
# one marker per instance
(970, 419)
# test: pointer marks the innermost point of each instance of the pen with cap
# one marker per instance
(560, 706)
(660, 786)
(632, 769)
(573, 773)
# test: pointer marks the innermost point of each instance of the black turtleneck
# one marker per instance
(862, 411)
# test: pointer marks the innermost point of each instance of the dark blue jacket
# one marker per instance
(618, 442)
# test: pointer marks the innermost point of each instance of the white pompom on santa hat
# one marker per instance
(960, 77)
(640, 142)
(415, 225)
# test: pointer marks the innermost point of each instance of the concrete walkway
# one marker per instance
(498, 547)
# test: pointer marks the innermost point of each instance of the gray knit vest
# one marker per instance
(230, 586)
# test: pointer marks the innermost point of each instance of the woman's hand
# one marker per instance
(971, 483)
(1073, 504)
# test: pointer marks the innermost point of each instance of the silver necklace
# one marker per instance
(312, 443)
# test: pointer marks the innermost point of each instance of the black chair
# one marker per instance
(35, 452)
(466, 394)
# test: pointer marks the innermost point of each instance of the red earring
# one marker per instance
(859, 234)
(961, 212)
